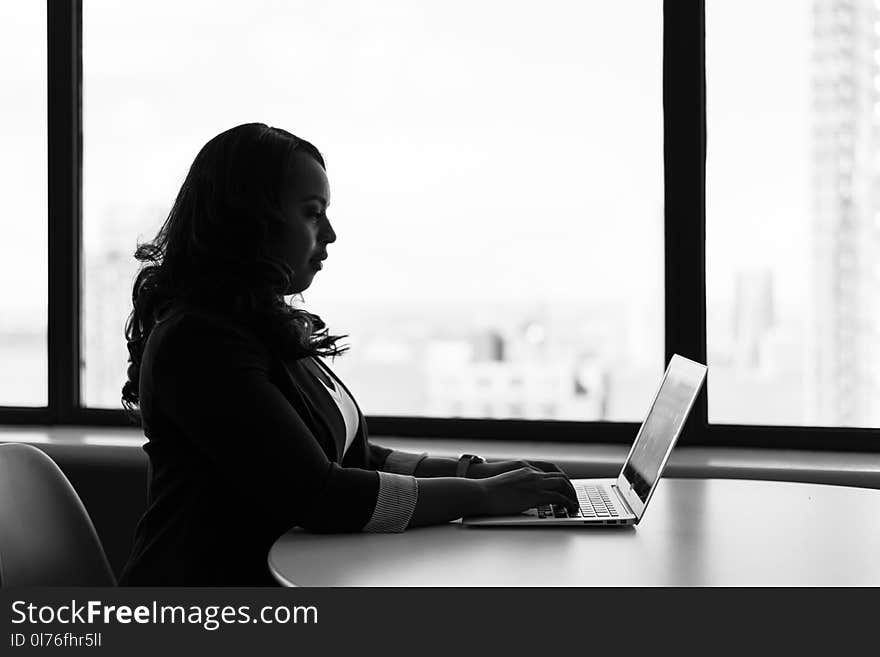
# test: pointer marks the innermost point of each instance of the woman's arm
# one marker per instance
(436, 466)
(442, 499)
(419, 465)
(422, 465)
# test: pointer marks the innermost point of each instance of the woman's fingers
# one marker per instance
(562, 485)
(555, 497)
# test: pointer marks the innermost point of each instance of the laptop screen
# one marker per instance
(665, 420)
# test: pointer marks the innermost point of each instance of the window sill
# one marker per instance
(587, 460)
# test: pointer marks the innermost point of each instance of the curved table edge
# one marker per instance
(283, 581)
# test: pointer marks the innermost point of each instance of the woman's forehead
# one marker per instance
(306, 178)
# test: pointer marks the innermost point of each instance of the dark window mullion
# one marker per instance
(684, 154)
(64, 30)
(563, 431)
(836, 439)
(24, 415)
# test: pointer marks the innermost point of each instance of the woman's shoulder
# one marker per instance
(178, 313)
(190, 330)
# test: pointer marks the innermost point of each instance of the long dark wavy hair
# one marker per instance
(210, 252)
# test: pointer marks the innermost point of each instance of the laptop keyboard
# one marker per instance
(595, 502)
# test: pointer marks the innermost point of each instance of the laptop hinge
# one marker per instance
(622, 498)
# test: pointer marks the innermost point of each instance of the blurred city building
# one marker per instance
(471, 377)
(753, 316)
(843, 333)
(109, 269)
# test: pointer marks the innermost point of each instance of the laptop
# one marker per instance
(623, 501)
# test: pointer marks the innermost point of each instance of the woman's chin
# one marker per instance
(300, 285)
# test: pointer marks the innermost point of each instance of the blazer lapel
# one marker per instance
(299, 382)
(360, 437)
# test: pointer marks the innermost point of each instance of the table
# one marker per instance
(695, 532)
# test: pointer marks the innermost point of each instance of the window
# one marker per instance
(507, 157)
(566, 97)
(23, 168)
(793, 212)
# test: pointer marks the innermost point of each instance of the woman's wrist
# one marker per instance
(481, 495)
(443, 499)
(482, 470)
(436, 466)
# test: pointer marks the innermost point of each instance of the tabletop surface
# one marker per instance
(695, 532)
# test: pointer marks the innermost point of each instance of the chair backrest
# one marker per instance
(46, 535)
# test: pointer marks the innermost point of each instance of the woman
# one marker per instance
(249, 432)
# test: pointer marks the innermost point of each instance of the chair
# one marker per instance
(46, 535)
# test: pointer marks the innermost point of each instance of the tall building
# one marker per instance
(845, 189)
(753, 316)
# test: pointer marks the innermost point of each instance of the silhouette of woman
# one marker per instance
(249, 431)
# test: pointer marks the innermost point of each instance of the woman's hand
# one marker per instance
(485, 470)
(525, 488)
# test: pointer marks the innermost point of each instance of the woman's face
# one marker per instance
(306, 231)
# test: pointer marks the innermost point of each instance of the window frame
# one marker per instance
(684, 126)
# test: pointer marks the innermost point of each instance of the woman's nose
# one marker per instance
(329, 233)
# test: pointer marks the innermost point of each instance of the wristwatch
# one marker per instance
(464, 462)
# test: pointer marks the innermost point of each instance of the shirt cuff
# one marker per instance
(395, 504)
(403, 462)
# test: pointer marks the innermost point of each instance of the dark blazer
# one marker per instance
(242, 447)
